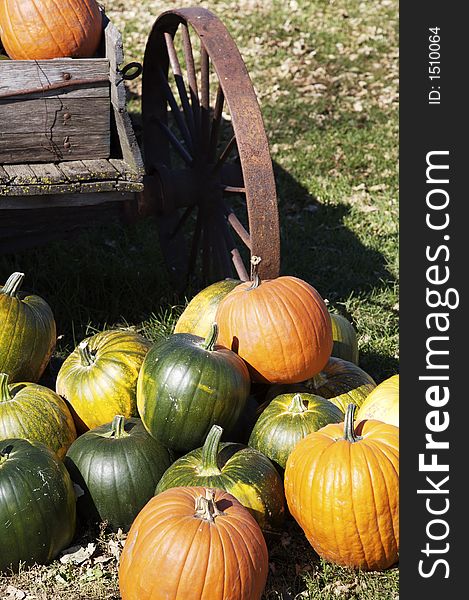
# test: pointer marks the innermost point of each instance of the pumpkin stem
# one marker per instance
(206, 508)
(255, 279)
(211, 339)
(297, 405)
(13, 284)
(5, 394)
(317, 381)
(349, 430)
(86, 355)
(5, 453)
(117, 427)
(210, 452)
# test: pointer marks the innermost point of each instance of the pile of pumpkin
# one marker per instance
(194, 443)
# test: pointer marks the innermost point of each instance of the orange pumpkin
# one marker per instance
(342, 487)
(197, 543)
(42, 29)
(280, 327)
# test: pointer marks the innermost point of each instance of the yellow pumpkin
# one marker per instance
(199, 314)
(99, 378)
(345, 340)
(382, 404)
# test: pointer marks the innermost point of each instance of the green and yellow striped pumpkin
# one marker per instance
(27, 332)
(99, 378)
(36, 413)
(239, 470)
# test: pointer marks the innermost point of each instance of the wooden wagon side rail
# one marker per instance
(128, 142)
(71, 101)
(73, 177)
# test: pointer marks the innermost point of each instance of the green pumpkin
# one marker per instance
(34, 412)
(99, 378)
(199, 314)
(37, 504)
(117, 466)
(341, 382)
(345, 339)
(186, 385)
(237, 469)
(288, 419)
(27, 332)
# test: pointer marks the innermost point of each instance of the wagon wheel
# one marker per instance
(209, 174)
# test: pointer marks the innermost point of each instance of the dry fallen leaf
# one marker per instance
(114, 548)
(78, 554)
(102, 559)
(14, 593)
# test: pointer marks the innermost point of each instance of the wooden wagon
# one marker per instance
(69, 156)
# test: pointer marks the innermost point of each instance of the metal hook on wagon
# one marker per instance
(130, 71)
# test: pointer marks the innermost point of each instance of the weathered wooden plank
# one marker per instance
(129, 186)
(76, 199)
(20, 174)
(47, 173)
(56, 130)
(74, 170)
(17, 191)
(4, 177)
(128, 142)
(120, 166)
(98, 186)
(24, 148)
(66, 189)
(28, 74)
(55, 178)
(90, 171)
(101, 169)
(125, 171)
(62, 116)
(115, 55)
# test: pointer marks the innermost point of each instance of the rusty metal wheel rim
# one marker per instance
(206, 176)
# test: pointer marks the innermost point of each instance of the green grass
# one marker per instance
(326, 75)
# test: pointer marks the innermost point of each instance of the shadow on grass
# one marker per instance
(115, 273)
(318, 246)
(106, 275)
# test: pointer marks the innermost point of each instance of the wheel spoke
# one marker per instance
(178, 78)
(239, 228)
(187, 158)
(205, 98)
(217, 114)
(233, 189)
(224, 155)
(235, 255)
(190, 66)
(175, 109)
(239, 265)
(186, 214)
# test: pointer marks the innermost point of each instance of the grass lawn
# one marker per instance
(325, 72)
